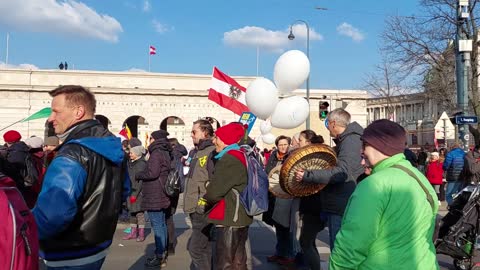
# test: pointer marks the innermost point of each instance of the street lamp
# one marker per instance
(291, 36)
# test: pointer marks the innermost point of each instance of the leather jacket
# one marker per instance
(78, 207)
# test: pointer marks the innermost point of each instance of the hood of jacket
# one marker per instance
(202, 144)
(352, 128)
(160, 144)
(106, 144)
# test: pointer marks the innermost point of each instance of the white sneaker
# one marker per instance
(439, 203)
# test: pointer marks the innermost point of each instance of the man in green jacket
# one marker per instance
(390, 217)
(228, 214)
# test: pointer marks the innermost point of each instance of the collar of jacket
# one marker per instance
(352, 128)
(388, 162)
(202, 144)
(226, 149)
(161, 144)
(79, 127)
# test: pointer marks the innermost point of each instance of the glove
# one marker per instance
(201, 205)
(133, 199)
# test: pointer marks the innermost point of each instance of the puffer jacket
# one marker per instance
(453, 165)
(155, 176)
(388, 223)
(434, 172)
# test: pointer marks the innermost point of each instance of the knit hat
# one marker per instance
(34, 142)
(51, 140)
(134, 142)
(138, 150)
(12, 136)
(385, 136)
(159, 134)
(231, 133)
(435, 154)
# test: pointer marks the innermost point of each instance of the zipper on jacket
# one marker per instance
(14, 234)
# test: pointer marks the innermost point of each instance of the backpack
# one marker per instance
(29, 172)
(18, 230)
(254, 196)
(173, 185)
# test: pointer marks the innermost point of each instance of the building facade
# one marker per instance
(147, 101)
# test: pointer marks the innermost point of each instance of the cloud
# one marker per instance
(146, 6)
(66, 17)
(348, 30)
(21, 66)
(275, 41)
(160, 27)
(135, 70)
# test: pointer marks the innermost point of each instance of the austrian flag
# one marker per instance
(153, 50)
(227, 93)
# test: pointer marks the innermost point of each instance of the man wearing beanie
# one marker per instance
(390, 219)
(340, 179)
(223, 190)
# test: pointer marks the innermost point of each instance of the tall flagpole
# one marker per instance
(149, 56)
(6, 54)
(258, 52)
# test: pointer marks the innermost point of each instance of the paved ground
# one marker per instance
(131, 255)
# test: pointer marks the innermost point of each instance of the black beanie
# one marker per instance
(159, 134)
(386, 136)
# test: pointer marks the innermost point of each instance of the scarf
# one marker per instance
(226, 149)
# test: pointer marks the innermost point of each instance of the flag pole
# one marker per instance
(149, 55)
(6, 54)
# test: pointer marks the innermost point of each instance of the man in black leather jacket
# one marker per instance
(78, 206)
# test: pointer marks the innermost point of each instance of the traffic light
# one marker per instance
(323, 110)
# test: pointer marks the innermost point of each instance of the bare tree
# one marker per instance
(386, 82)
(422, 45)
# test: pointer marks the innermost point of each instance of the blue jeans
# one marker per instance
(91, 266)
(452, 188)
(333, 222)
(157, 219)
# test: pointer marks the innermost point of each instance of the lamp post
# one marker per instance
(291, 36)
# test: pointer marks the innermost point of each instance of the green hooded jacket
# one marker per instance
(388, 223)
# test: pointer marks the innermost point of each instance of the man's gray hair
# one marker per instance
(340, 116)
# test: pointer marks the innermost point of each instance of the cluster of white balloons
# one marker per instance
(291, 70)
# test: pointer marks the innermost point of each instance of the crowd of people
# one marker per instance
(379, 203)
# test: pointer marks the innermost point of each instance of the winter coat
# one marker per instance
(341, 179)
(278, 206)
(472, 167)
(136, 167)
(78, 207)
(388, 223)
(453, 164)
(422, 158)
(230, 174)
(434, 172)
(201, 170)
(410, 156)
(155, 176)
(15, 163)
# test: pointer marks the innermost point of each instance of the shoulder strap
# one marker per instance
(409, 172)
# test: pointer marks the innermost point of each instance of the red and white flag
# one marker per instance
(153, 50)
(227, 93)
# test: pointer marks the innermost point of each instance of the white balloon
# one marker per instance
(290, 112)
(261, 97)
(268, 138)
(265, 127)
(291, 70)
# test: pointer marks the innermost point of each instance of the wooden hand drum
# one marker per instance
(310, 157)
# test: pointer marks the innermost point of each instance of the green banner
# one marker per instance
(43, 113)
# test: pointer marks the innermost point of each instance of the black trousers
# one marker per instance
(230, 248)
(199, 246)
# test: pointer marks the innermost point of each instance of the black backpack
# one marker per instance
(29, 172)
(173, 185)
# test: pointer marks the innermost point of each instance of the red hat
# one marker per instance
(231, 133)
(12, 136)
